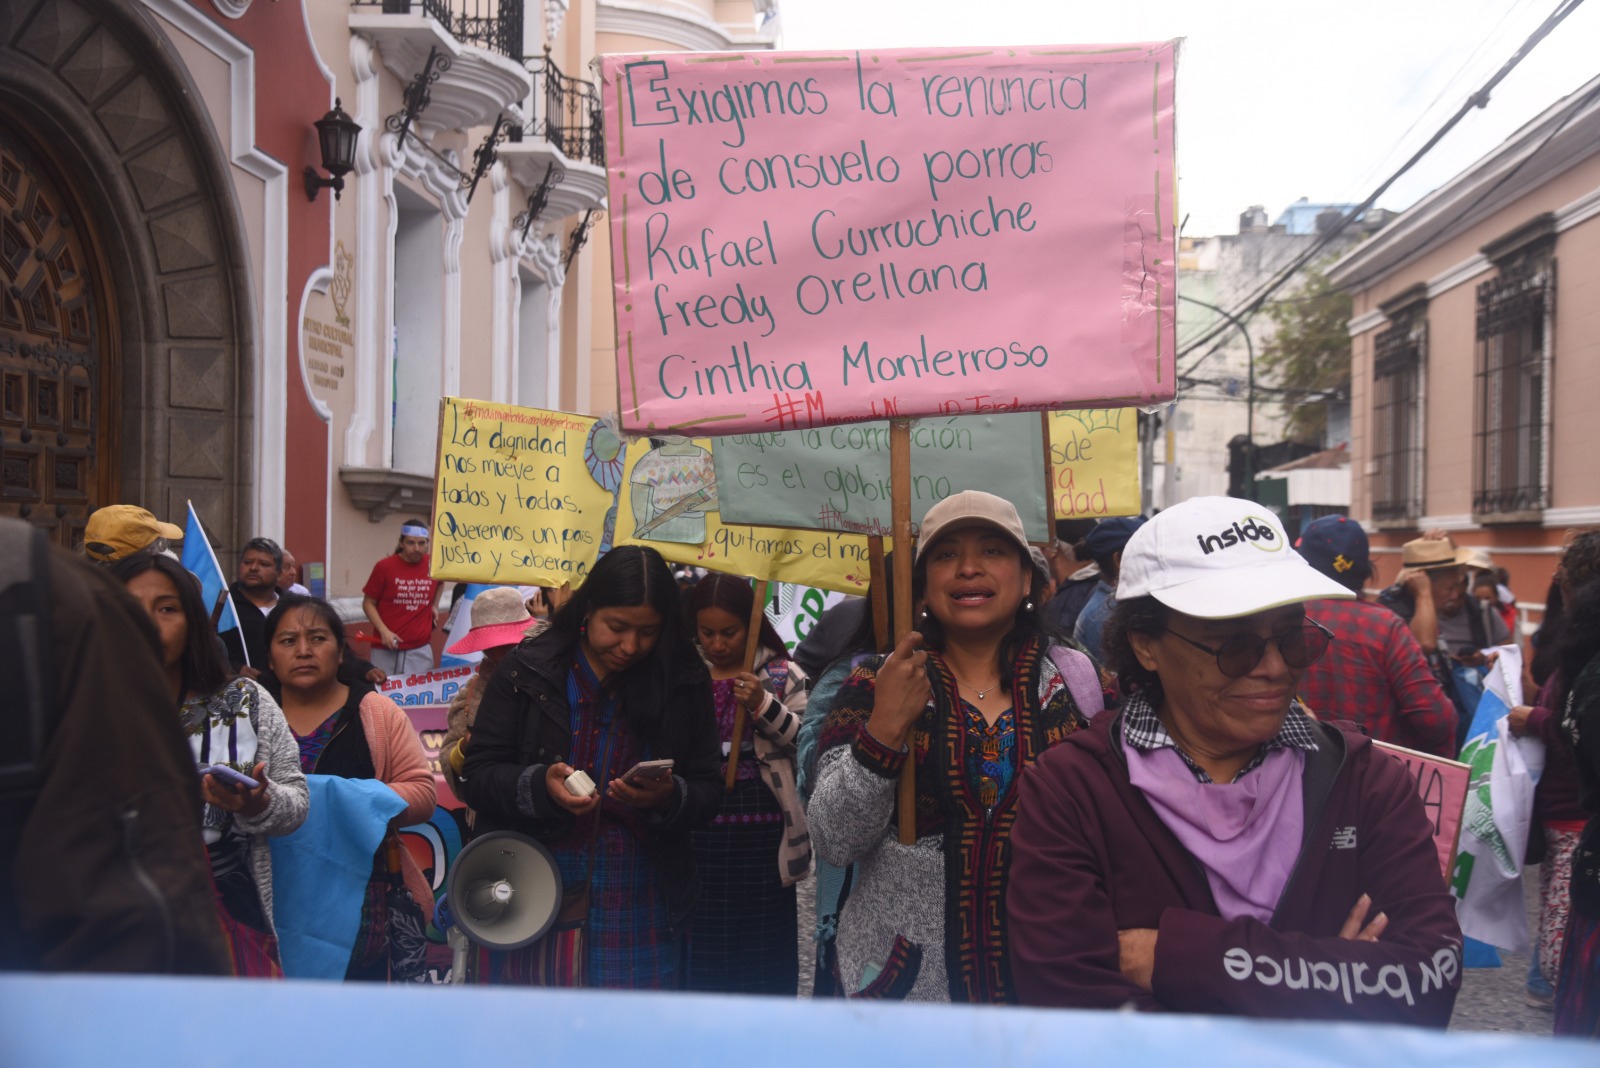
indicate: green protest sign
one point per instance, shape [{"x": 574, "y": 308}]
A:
[{"x": 837, "y": 477}]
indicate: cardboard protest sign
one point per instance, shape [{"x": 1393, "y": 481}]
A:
[
  {"x": 521, "y": 493},
  {"x": 837, "y": 477},
  {"x": 1094, "y": 459},
  {"x": 805, "y": 239},
  {"x": 1442, "y": 785},
  {"x": 670, "y": 502}
]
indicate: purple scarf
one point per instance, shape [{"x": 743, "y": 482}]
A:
[{"x": 1246, "y": 834}]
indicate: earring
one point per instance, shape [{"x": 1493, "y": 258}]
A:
[
  {"x": 583, "y": 628},
  {"x": 924, "y": 612},
  {"x": 1027, "y": 606}
]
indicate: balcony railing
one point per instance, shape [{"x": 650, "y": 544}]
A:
[
  {"x": 571, "y": 119},
  {"x": 495, "y": 25}
]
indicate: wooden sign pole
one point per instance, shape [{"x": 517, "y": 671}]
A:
[
  {"x": 879, "y": 593},
  {"x": 752, "y": 646},
  {"x": 1049, "y": 480},
  {"x": 900, "y": 490}
]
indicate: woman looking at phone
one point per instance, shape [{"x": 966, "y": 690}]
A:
[
  {"x": 349, "y": 730},
  {"x": 744, "y": 927},
  {"x": 235, "y": 726},
  {"x": 613, "y": 682},
  {"x": 973, "y": 695}
]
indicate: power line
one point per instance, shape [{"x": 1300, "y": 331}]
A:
[{"x": 1478, "y": 99}]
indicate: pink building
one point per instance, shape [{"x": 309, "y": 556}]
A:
[{"x": 1476, "y": 363}]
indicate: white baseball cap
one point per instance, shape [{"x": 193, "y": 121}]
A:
[{"x": 1219, "y": 558}]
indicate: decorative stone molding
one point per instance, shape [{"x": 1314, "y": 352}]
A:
[
  {"x": 477, "y": 87},
  {"x": 580, "y": 186},
  {"x": 673, "y": 25},
  {"x": 374, "y": 205},
  {"x": 555, "y": 14},
  {"x": 381, "y": 492}
]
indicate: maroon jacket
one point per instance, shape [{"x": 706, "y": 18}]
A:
[{"x": 1090, "y": 857}]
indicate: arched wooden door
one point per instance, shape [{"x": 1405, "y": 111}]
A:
[{"x": 57, "y": 435}]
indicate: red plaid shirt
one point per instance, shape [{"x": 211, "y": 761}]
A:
[{"x": 1375, "y": 675}]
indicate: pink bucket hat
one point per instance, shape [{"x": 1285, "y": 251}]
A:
[{"x": 498, "y": 618}]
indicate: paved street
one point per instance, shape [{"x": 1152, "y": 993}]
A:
[{"x": 1491, "y": 998}]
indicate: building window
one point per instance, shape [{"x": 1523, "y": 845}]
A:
[
  {"x": 418, "y": 343},
  {"x": 1398, "y": 357},
  {"x": 1512, "y": 425}
]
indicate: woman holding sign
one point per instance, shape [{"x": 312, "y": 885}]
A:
[
  {"x": 980, "y": 692},
  {"x": 1211, "y": 848},
  {"x": 597, "y": 738},
  {"x": 744, "y": 929}
]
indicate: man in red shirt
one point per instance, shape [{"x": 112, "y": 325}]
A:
[
  {"x": 1374, "y": 673},
  {"x": 401, "y": 603}
]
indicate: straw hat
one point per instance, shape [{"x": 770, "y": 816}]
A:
[
  {"x": 498, "y": 618},
  {"x": 1427, "y": 554}
]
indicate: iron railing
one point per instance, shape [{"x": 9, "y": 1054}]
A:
[
  {"x": 495, "y": 25},
  {"x": 571, "y": 119},
  {"x": 1397, "y": 420},
  {"x": 1512, "y": 429}
]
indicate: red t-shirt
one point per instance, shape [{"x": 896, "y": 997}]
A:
[{"x": 404, "y": 595}]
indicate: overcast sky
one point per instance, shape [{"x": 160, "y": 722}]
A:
[{"x": 1277, "y": 100}]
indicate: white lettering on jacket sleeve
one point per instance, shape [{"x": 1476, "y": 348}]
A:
[{"x": 1344, "y": 978}]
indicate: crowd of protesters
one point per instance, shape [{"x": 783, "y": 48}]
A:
[{"x": 1141, "y": 756}]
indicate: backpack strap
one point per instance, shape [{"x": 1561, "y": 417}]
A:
[{"x": 1082, "y": 680}]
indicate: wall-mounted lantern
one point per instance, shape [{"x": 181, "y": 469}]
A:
[{"x": 337, "y": 134}]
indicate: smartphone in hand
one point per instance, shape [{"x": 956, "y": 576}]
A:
[
  {"x": 648, "y": 771},
  {"x": 228, "y": 776}
]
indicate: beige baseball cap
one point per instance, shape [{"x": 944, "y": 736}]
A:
[{"x": 972, "y": 508}]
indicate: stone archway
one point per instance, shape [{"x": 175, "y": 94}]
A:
[{"x": 94, "y": 92}]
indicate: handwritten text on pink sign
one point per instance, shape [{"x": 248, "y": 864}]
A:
[{"x": 803, "y": 239}]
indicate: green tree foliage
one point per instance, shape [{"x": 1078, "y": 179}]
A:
[{"x": 1309, "y": 356}]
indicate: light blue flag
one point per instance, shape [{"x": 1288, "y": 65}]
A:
[
  {"x": 320, "y": 873},
  {"x": 201, "y": 562}
]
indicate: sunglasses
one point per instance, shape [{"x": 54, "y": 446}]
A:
[{"x": 1299, "y": 646}]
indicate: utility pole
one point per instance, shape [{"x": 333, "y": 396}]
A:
[{"x": 1250, "y": 400}]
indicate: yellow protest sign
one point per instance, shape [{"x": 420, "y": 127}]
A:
[
  {"x": 669, "y": 502},
  {"x": 1094, "y": 453},
  {"x": 521, "y": 494}
]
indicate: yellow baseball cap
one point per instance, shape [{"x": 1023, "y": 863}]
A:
[{"x": 118, "y": 530}]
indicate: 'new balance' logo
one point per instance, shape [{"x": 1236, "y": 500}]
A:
[{"x": 1344, "y": 838}]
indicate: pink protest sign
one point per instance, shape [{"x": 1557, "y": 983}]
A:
[
  {"x": 1442, "y": 785},
  {"x": 805, "y": 239}
]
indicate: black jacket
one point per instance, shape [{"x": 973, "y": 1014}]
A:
[
  {"x": 524, "y": 725},
  {"x": 251, "y": 633},
  {"x": 101, "y": 863}
]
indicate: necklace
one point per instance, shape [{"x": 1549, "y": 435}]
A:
[{"x": 973, "y": 689}]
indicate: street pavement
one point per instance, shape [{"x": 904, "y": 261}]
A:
[
  {"x": 1491, "y": 999},
  {"x": 1494, "y": 999}
]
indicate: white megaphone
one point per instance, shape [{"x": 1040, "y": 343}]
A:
[{"x": 504, "y": 893}]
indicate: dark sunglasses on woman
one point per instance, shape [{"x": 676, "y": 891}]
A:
[{"x": 1300, "y": 646}]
